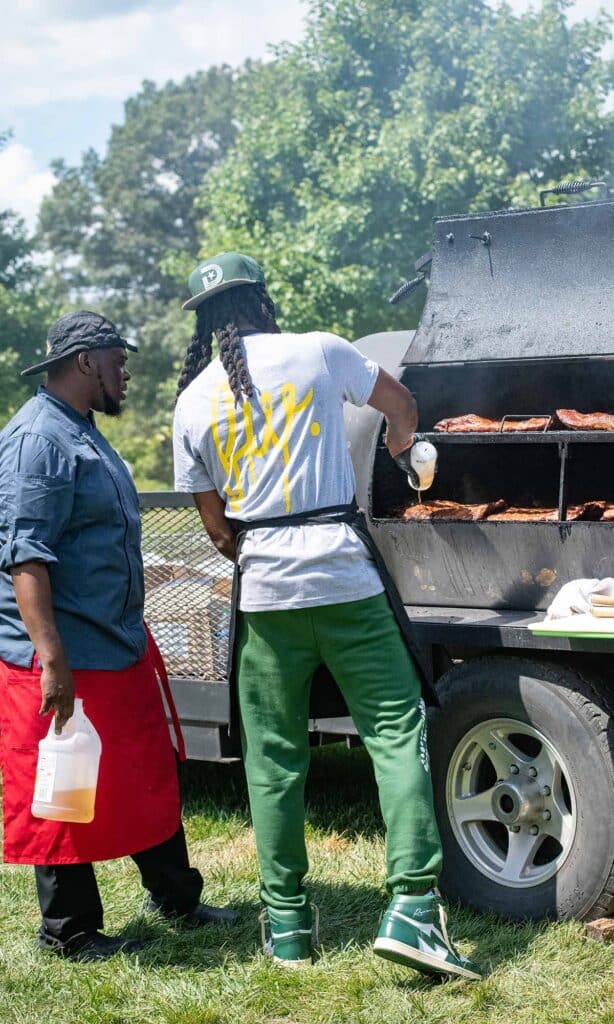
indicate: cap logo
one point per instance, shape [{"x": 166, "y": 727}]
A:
[{"x": 212, "y": 274}]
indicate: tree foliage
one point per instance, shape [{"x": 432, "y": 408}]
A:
[
  {"x": 327, "y": 164},
  {"x": 389, "y": 113},
  {"x": 23, "y": 310},
  {"x": 110, "y": 221}
]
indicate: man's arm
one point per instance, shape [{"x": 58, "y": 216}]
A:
[
  {"x": 33, "y": 594},
  {"x": 399, "y": 407},
  {"x": 212, "y": 511}
]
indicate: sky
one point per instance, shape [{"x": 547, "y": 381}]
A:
[{"x": 67, "y": 66}]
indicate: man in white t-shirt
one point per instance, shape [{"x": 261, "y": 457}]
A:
[{"x": 259, "y": 440}]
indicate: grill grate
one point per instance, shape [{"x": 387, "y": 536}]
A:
[{"x": 187, "y": 592}]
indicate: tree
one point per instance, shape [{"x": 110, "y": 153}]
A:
[
  {"x": 390, "y": 113},
  {"x": 23, "y": 311},
  {"x": 110, "y": 221}
]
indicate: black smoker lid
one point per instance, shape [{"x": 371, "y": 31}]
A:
[{"x": 520, "y": 284}]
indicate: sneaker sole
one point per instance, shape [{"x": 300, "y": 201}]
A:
[
  {"x": 293, "y": 965},
  {"x": 400, "y": 953}
]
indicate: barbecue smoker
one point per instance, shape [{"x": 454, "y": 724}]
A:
[{"x": 518, "y": 322}]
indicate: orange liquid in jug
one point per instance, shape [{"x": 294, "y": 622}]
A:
[{"x": 77, "y": 805}]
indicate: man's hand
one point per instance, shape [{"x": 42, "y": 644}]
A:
[
  {"x": 35, "y": 603},
  {"x": 403, "y": 460},
  {"x": 57, "y": 693}
]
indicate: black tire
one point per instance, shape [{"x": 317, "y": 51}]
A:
[{"x": 572, "y": 713}]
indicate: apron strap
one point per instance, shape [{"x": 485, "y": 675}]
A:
[
  {"x": 160, "y": 667},
  {"x": 329, "y": 514}
]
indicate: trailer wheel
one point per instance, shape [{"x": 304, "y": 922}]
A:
[{"x": 523, "y": 773}]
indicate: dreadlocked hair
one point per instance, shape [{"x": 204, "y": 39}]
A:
[{"x": 220, "y": 315}]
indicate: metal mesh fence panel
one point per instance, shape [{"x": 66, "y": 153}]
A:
[{"x": 187, "y": 592}]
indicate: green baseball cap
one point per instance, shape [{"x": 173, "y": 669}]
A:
[{"x": 219, "y": 273}]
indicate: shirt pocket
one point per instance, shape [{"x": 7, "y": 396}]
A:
[{"x": 96, "y": 501}]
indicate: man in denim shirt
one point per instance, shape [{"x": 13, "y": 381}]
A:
[{"x": 71, "y": 624}]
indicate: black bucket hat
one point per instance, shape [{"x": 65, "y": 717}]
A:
[{"x": 81, "y": 331}]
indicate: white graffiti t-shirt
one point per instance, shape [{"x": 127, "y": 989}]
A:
[{"x": 281, "y": 452}]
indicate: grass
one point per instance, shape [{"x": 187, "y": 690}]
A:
[{"x": 537, "y": 973}]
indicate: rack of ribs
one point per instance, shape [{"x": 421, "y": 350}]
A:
[
  {"x": 590, "y": 510},
  {"x": 474, "y": 424},
  {"x": 452, "y": 511},
  {"x": 571, "y": 419}
]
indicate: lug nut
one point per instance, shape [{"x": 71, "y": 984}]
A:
[
  {"x": 466, "y": 767},
  {"x": 534, "y": 830},
  {"x": 533, "y": 772},
  {"x": 546, "y": 791},
  {"x": 514, "y": 828},
  {"x": 514, "y": 769},
  {"x": 492, "y": 746},
  {"x": 546, "y": 815}
]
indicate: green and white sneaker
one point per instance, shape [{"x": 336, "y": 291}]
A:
[
  {"x": 414, "y": 933},
  {"x": 292, "y": 935}
]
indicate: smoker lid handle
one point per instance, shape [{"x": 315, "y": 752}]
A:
[
  {"x": 406, "y": 289},
  {"x": 567, "y": 188}
]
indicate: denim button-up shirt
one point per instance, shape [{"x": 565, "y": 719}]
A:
[{"x": 67, "y": 499}]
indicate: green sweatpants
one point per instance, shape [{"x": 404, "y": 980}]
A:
[{"x": 360, "y": 642}]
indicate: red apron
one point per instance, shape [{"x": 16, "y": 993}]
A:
[{"x": 137, "y": 798}]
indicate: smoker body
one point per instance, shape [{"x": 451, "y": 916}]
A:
[
  {"x": 521, "y": 326},
  {"x": 518, "y": 322}
]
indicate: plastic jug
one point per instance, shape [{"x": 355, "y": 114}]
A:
[{"x": 67, "y": 771}]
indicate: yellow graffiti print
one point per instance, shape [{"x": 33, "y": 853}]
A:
[{"x": 240, "y": 423}]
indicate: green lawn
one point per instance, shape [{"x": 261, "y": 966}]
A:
[{"x": 536, "y": 974}]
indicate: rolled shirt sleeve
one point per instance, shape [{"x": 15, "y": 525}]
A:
[
  {"x": 191, "y": 475},
  {"x": 37, "y": 502}
]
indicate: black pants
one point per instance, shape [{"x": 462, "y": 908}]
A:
[{"x": 69, "y": 898}]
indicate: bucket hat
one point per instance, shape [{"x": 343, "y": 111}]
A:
[{"x": 82, "y": 331}]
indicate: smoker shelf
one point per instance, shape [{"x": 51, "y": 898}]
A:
[{"x": 530, "y": 437}]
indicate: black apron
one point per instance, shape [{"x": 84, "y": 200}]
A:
[{"x": 355, "y": 518}]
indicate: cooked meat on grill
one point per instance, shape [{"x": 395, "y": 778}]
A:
[
  {"x": 524, "y": 426},
  {"x": 452, "y": 510},
  {"x": 473, "y": 424},
  {"x": 608, "y": 515},
  {"x": 467, "y": 424},
  {"x": 590, "y": 510},
  {"x": 525, "y": 515},
  {"x": 571, "y": 419}
]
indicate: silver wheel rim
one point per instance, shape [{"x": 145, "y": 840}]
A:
[{"x": 511, "y": 803}]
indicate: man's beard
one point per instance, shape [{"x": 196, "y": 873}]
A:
[{"x": 110, "y": 407}]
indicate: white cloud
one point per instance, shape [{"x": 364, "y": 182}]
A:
[
  {"x": 101, "y": 50},
  {"x": 22, "y": 184},
  {"x": 47, "y": 53},
  {"x": 81, "y": 49}
]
